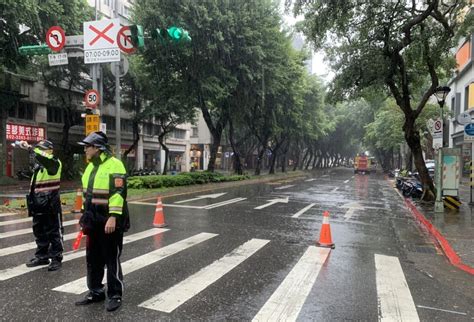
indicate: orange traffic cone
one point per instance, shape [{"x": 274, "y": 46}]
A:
[
  {"x": 325, "y": 239},
  {"x": 78, "y": 202},
  {"x": 159, "y": 220}
]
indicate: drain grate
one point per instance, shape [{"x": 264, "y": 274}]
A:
[{"x": 421, "y": 249}]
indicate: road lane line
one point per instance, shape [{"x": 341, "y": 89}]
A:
[
  {"x": 27, "y": 246},
  {"x": 29, "y": 230},
  {"x": 223, "y": 203},
  {"x": 286, "y": 302},
  {"x": 302, "y": 211},
  {"x": 6, "y": 214},
  {"x": 173, "y": 297},
  {"x": 335, "y": 189},
  {"x": 285, "y": 187},
  {"x": 309, "y": 180},
  {"x": 79, "y": 286},
  {"x": 349, "y": 214},
  {"x": 22, "y": 269},
  {"x": 346, "y": 181},
  {"x": 15, "y": 221},
  {"x": 394, "y": 297}
]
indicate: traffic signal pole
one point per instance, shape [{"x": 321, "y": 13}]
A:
[{"x": 118, "y": 134}]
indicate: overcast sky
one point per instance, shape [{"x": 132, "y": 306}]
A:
[{"x": 319, "y": 66}]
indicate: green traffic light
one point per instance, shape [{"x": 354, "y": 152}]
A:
[
  {"x": 137, "y": 36},
  {"x": 178, "y": 34}
]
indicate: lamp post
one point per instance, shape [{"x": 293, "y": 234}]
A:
[{"x": 440, "y": 93}]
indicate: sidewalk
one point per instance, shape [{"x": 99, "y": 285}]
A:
[
  {"x": 454, "y": 230},
  {"x": 20, "y": 189}
]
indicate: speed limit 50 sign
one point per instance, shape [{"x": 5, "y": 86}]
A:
[{"x": 92, "y": 98}]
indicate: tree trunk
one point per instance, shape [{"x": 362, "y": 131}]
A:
[
  {"x": 412, "y": 138},
  {"x": 259, "y": 161},
  {"x": 237, "y": 162},
  {"x": 167, "y": 151}
]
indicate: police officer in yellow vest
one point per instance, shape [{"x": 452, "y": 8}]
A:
[
  {"x": 44, "y": 205},
  {"x": 104, "y": 219}
]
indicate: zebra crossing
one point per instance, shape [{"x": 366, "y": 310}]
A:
[{"x": 394, "y": 300}]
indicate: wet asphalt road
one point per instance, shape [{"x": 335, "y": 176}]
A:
[{"x": 367, "y": 219}]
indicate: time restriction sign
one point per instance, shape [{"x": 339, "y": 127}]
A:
[{"x": 92, "y": 98}]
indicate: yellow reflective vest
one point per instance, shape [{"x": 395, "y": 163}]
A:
[
  {"x": 46, "y": 182},
  {"x": 104, "y": 186}
]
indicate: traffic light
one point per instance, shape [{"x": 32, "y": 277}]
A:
[
  {"x": 34, "y": 50},
  {"x": 177, "y": 34},
  {"x": 174, "y": 34},
  {"x": 138, "y": 38}
]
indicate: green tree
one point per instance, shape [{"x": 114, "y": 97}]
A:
[{"x": 389, "y": 45}]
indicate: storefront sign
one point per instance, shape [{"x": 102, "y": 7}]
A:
[{"x": 24, "y": 132}]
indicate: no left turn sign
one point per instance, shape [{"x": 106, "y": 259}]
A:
[
  {"x": 92, "y": 98},
  {"x": 124, "y": 40},
  {"x": 55, "y": 38}
]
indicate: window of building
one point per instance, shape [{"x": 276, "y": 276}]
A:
[
  {"x": 108, "y": 3},
  {"x": 126, "y": 125},
  {"x": 22, "y": 110},
  {"x": 110, "y": 122},
  {"x": 178, "y": 134},
  {"x": 466, "y": 98},
  {"x": 54, "y": 114},
  {"x": 195, "y": 132},
  {"x": 470, "y": 96}
]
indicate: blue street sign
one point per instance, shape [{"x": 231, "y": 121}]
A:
[{"x": 469, "y": 129}]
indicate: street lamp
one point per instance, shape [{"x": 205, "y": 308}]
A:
[{"x": 441, "y": 92}]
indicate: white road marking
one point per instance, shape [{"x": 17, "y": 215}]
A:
[
  {"x": 309, "y": 180},
  {"x": 335, "y": 189},
  {"x": 346, "y": 181},
  {"x": 302, "y": 211},
  {"x": 286, "y": 302},
  {"x": 272, "y": 202},
  {"x": 22, "y": 269},
  {"x": 213, "y": 196},
  {"x": 15, "y": 221},
  {"x": 349, "y": 213},
  {"x": 223, "y": 203},
  {"x": 79, "y": 286},
  {"x": 175, "y": 296},
  {"x": 27, "y": 246},
  {"x": 214, "y": 205},
  {"x": 6, "y": 214},
  {"x": 442, "y": 310},
  {"x": 394, "y": 297},
  {"x": 285, "y": 187},
  {"x": 29, "y": 230}
]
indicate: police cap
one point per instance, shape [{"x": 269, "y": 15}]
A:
[
  {"x": 44, "y": 145},
  {"x": 97, "y": 139}
]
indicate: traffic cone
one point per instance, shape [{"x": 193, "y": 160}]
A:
[
  {"x": 325, "y": 239},
  {"x": 6, "y": 202},
  {"x": 78, "y": 202},
  {"x": 77, "y": 241},
  {"x": 159, "y": 220}
]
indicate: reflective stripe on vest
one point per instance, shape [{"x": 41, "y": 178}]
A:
[{"x": 45, "y": 182}]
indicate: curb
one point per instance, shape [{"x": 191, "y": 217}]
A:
[{"x": 449, "y": 252}]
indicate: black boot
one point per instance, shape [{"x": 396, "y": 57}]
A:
[
  {"x": 54, "y": 265},
  {"x": 37, "y": 262},
  {"x": 114, "y": 303},
  {"x": 91, "y": 298}
]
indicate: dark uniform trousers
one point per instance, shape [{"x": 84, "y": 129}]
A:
[
  {"x": 47, "y": 229},
  {"x": 104, "y": 250}
]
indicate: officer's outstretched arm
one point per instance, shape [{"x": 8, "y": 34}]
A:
[{"x": 47, "y": 160}]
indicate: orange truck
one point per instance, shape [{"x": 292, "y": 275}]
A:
[{"x": 364, "y": 164}]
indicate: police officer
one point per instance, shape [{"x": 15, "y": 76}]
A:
[
  {"x": 104, "y": 219},
  {"x": 44, "y": 205}
]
